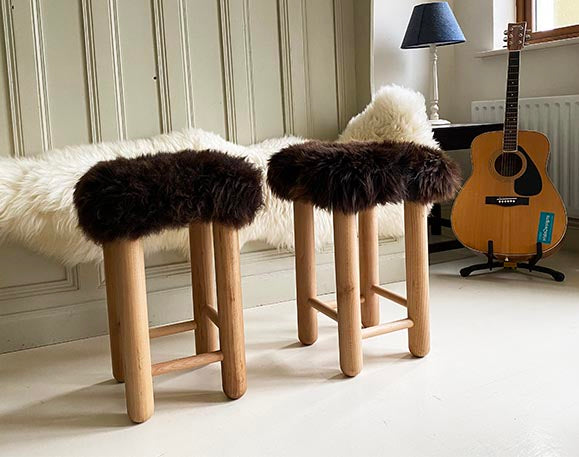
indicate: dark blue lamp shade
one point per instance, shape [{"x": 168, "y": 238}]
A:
[{"x": 432, "y": 23}]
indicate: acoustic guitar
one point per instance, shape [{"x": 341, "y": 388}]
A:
[{"x": 509, "y": 199}]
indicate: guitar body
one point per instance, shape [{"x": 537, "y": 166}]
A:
[{"x": 509, "y": 199}]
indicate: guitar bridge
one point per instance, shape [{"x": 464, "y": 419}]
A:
[{"x": 507, "y": 201}]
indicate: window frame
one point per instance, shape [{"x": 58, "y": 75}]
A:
[{"x": 525, "y": 13}]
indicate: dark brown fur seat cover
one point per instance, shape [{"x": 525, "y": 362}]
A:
[
  {"x": 351, "y": 177},
  {"x": 131, "y": 198}
]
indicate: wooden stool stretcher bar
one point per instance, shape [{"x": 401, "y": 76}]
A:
[
  {"x": 172, "y": 329},
  {"x": 212, "y": 314},
  {"x": 187, "y": 363},
  {"x": 324, "y": 308},
  {"x": 389, "y": 295},
  {"x": 388, "y": 327}
]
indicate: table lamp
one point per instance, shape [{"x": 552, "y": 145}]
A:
[{"x": 432, "y": 25}]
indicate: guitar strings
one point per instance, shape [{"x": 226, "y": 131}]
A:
[{"x": 508, "y": 162}]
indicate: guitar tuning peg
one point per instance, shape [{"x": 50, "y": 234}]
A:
[
  {"x": 506, "y": 32},
  {"x": 505, "y": 39}
]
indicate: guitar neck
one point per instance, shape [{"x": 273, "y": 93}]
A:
[{"x": 511, "y": 129}]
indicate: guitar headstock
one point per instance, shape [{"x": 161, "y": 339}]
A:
[{"x": 516, "y": 36}]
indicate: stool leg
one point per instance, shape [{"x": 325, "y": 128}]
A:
[
  {"x": 348, "y": 293},
  {"x": 416, "y": 241},
  {"x": 369, "y": 273},
  {"x": 233, "y": 373},
  {"x": 305, "y": 271},
  {"x": 125, "y": 263},
  {"x": 203, "y": 283},
  {"x": 113, "y": 312}
]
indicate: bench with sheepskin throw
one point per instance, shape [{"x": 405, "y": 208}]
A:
[{"x": 36, "y": 194}]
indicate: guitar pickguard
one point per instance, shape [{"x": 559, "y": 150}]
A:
[{"x": 530, "y": 182}]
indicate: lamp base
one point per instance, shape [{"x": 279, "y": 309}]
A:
[{"x": 438, "y": 122}]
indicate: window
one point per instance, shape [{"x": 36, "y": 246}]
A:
[{"x": 550, "y": 20}]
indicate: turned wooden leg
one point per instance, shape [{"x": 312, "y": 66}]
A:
[
  {"x": 113, "y": 312},
  {"x": 305, "y": 272},
  {"x": 228, "y": 275},
  {"x": 369, "y": 273},
  {"x": 416, "y": 241},
  {"x": 124, "y": 261},
  {"x": 348, "y": 293},
  {"x": 202, "y": 280}
]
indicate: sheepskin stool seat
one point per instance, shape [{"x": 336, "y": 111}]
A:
[
  {"x": 350, "y": 179},
  {"x": 119, "y": 202}
]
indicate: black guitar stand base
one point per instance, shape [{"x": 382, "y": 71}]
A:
[{"x": 531, "y": 265}]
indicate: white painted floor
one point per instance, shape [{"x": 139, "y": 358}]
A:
[{"x": 502, "y": 379}]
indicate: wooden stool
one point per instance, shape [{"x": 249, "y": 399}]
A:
[
  {"x": 121, "y": 201},
  {"x": 350, "y": 179}
]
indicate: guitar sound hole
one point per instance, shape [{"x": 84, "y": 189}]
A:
[{"x": 508, "y": 164}]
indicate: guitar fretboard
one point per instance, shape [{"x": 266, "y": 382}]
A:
[{"x": 512, "y": 103}]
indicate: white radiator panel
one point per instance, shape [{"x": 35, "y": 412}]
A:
[{"x": 556, "y": 117}]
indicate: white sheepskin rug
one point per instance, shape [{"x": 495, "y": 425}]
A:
[{"x": 36, "y": 204}]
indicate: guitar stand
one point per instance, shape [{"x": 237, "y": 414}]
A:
[{"x": 531, "y": 265}]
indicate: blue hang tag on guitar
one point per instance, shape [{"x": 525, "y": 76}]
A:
[{"x": 545, "y": 233}]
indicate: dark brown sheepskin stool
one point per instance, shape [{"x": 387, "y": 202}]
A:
[
  {"x": 351, "y": 177},
  {"x": 132, "y": 198}
]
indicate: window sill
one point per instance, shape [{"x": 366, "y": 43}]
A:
[{"x": 531, "y": 47}]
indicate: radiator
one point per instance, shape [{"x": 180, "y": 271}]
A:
[{"x": 556, "y": 117}]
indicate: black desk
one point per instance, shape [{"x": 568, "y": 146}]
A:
[{"x": 453, "y": 137}]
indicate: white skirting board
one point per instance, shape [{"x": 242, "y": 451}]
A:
[
  {"x": 571, "y": 241},
  {"x": 267, "y": 277}
]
